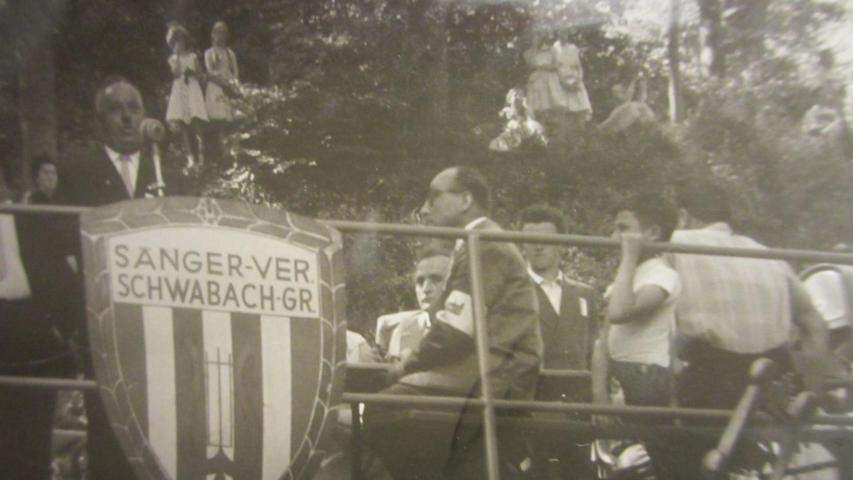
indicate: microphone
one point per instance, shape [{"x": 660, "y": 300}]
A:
[{"x": 154, "y": 132}]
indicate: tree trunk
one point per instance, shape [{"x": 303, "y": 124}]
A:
[
  {"x": 440, "y": 80},
  {"x": 711, "y": 32},
  {"x": 676, "y": 104},
  {"x": 182, "y": 11},
  {"x": 35, "y": 21},
  {"x": 428, "y": 27}
]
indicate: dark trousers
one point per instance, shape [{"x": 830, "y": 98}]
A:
[
  {"x": 716, "y": 378},
  {"x": 28, "y": 347},
  {"x": 107, "y": 461},
  {"x": 572, "y": 456},
  {"x": 647, "y": 385},
  {"x": 418, "y": 450},
  {"x": 409, "y": 449},
  {"x": 26, "y": 422},
  {"x": 644, "y": 384},
  {"x": 713, "y": 378}
]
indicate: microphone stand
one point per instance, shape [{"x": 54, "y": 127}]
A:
[
  {"x": 154, "y": 132},
  {"x": 158, "y": 171}
]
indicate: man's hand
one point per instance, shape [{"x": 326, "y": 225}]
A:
[
  {"x": 369, "y": 354},
  {"x": 632, "y": 245},
  {"x": 395, "y": 373}
]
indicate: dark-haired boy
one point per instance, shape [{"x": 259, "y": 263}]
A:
[
  {"x": 567, "y": 309},
  {"x": 634, "y": 348},
  {"x": 566, "y": 306}
]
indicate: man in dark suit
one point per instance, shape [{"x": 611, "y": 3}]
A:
[
  {"x": 445, "y": 361},
  {"x": 567, "y": 313},
  {"x": 567, "y": 307},
  {"x": 119, "y": 168}
]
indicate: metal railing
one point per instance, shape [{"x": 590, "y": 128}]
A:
[{"x": 487, "y": 402}]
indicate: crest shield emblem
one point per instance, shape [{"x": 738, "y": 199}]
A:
[{"x": 217, "y": 334}]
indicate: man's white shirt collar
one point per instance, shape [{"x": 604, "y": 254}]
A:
[
  {"x": 539, "y": 280},
  {"x": 553, "y": 289},
  {"x": 115, "y": 157},
  {"x": 471, "y": 226},
  {"x": 473, "y": 223},
  {"x": 722, "y": 227}
]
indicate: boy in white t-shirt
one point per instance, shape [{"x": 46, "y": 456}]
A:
[{"x": 634, "y": 348}]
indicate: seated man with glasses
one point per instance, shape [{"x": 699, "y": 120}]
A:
[{"x": 444, "y": 363}]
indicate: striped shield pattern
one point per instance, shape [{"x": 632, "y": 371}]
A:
[{"x": 217, "y": 335}]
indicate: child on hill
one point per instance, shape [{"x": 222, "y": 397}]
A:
[{"x": 187, "y": 111}]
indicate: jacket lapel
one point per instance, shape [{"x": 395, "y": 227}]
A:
[
  {"x": 145, "y": 174},
  {"x": 547, "y": 315},
  {"x": 460, "y": 250},
  {"x": 569, "y": 301},
  {"x": 113, "y": 185}
]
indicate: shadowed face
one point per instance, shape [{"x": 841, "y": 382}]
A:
[
  {"x": 541, "y": 257},
  {"x": 627, "y": 222},
  {"x": 430, "y": 278},
  {"x": 446, "y": 203},
  {"x": 179, "y": 44},
  {"x": 121, "y": 112},
  {"x": 219, "y": 34},
  {"x": 47, "y": 179}
]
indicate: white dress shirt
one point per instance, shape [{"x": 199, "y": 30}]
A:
[
  {"x": 553, "y": 288},
  {"x": 133, "y": 166}
]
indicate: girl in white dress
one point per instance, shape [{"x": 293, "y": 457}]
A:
[
  {"x": 223, "y": 78},
  {"x": 186, "y": 111}
]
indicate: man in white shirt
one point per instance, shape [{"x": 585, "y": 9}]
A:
[
  {"x": 831, "y": 291},
  {"x": 634, "y": 348},
  {"x": 641, "y": 307},
  {"x": 120, "y": 168},
  {"x": 397, "y": 333},
  {"x": 733, "y": 311}
]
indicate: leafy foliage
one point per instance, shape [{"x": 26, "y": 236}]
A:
[{"x": 350, "y": 107}]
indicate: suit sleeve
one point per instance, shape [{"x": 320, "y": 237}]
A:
[
  {"x": 72, "y": 192},
  {"x": 594, "y": 320},
  {"x": 451, "y": 336}
]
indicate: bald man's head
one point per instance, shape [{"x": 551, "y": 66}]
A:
[{"x": 120, "y": 110}]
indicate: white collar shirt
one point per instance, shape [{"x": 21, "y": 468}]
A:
[
  {"x": 117, "y": 158},
  {"x": 553, "y": 288}
]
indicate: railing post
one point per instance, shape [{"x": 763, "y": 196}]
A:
[
  {"x": 481, "y": 337},
  {"x": 717, "y": 460},
  {"x": 357, "y": 438}
]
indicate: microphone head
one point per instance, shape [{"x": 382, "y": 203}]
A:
[{"x": 152, "y": 130}]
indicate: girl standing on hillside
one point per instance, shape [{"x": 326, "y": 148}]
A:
[
  {"x": 187, "y": 111},
  {"x": 555, "y": 88},
  {"x": 223, "y": 78}
]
